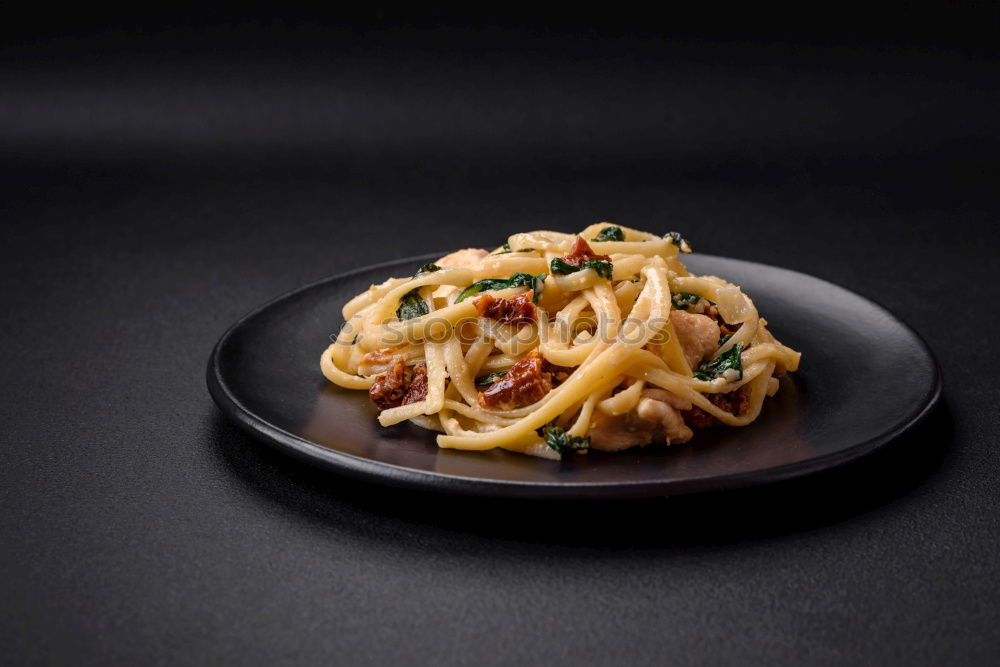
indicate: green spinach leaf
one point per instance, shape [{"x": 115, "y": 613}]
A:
[
  {"x": 604, "y": 269},
  {"x": 730, "y": 360},
  {"x": 684, "y": 300},
  {"x": 610, "y": 234},
  {"x": 506, "y": 250},
  {"x": 517, "y": 280},
  {"x": 411, "y": 305},
  {"x": 427, "y": 268},
  {"x": 562, "y": 442},
  {"x": 561, "y": 268},
  {"x": 490, "y": 379},
  {"x": 679, "y": 241}
]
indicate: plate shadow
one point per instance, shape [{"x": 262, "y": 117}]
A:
[{"x": 324, "y": 499}]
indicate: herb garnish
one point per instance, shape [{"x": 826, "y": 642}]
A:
[
  {"x": 679, "y": 241},
  {"x": 559, "y": 440},
  {"x": 610, "y": 234},
  {"x": 490, "y": 379},
  {"x": 517, "y": 280},
  {"x": 730, "y": 360},
  {"x": 411, "y": 305},
  {"x": 427, "y": 268},
  {"x": 684, "y": 300},
  {"x": 506, "y": 249},
  {"x": 561, "y": 268}
]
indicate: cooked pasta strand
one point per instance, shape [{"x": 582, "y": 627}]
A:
[{"x": 563, "y": 343}]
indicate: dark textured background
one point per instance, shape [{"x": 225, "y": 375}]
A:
[{"x": 161, "y": 175}]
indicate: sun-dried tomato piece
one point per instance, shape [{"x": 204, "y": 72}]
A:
[
  {"x": 513, "y": 310},
  {"x": 525, "y": 383},
  {"x": 698, "y": 418},
  {"x": 389, "y": 388},
  {"x": 418, "y": 385},
  {"x": 399, "y": 385},
  {"x": 735, "y": 403},
  {"x": 581, "y": 252}
]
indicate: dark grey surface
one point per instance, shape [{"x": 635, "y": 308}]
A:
[{"x": 152, "y": 193}]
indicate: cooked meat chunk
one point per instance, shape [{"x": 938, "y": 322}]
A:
[
  {"x": 462, "y": 258},
  {"x": 459, "y": 259},
  {"x": 671, "y": 424},
  {"x": 656, "y": 418},
  {"x": 513, "y": 310},
  {"x": 735, "y": 402},
  {"x": 525, "y": 383},
  {"x": 613, "y": 433},
  {"x": 581, "y": 252},
  {"x": 697, "y": 334},
  {"x": 399, "y": 385}
]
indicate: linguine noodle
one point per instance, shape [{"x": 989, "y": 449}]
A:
[{"x": 558, "y": 343}]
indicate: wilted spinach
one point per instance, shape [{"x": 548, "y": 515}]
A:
[
  {"x": 427, "y": 268},
  {"x": 490, "y": 379},
  {"x": 684, "y": 300},
  {"x": 730, "y": 360},
  {"x": 506, "y": 250},
  {"x": 562, "y": 268},
  {"x": 562, "y": 442},
  {"x": 536, "y": 283},
  {"x": 610, "y": 234},
  {"x": 411, "y": 305},
  {"x": 679, "y": 241}
]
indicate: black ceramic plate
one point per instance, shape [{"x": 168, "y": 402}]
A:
[{"x": 865, "y": 378}]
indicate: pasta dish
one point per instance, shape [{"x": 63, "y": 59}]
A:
[{"x": 555, "y": 344}]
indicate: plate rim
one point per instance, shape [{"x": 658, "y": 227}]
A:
[{"x": 402, "y": 476}]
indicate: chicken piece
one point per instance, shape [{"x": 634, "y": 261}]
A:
[
  {"x": 697, "y": 334},
  {"x": 669, "y": 418},
  {"x": 615, "y": 433},
  {"x": 656, "y": 417},
  {"x": 462, "y": 258}
]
